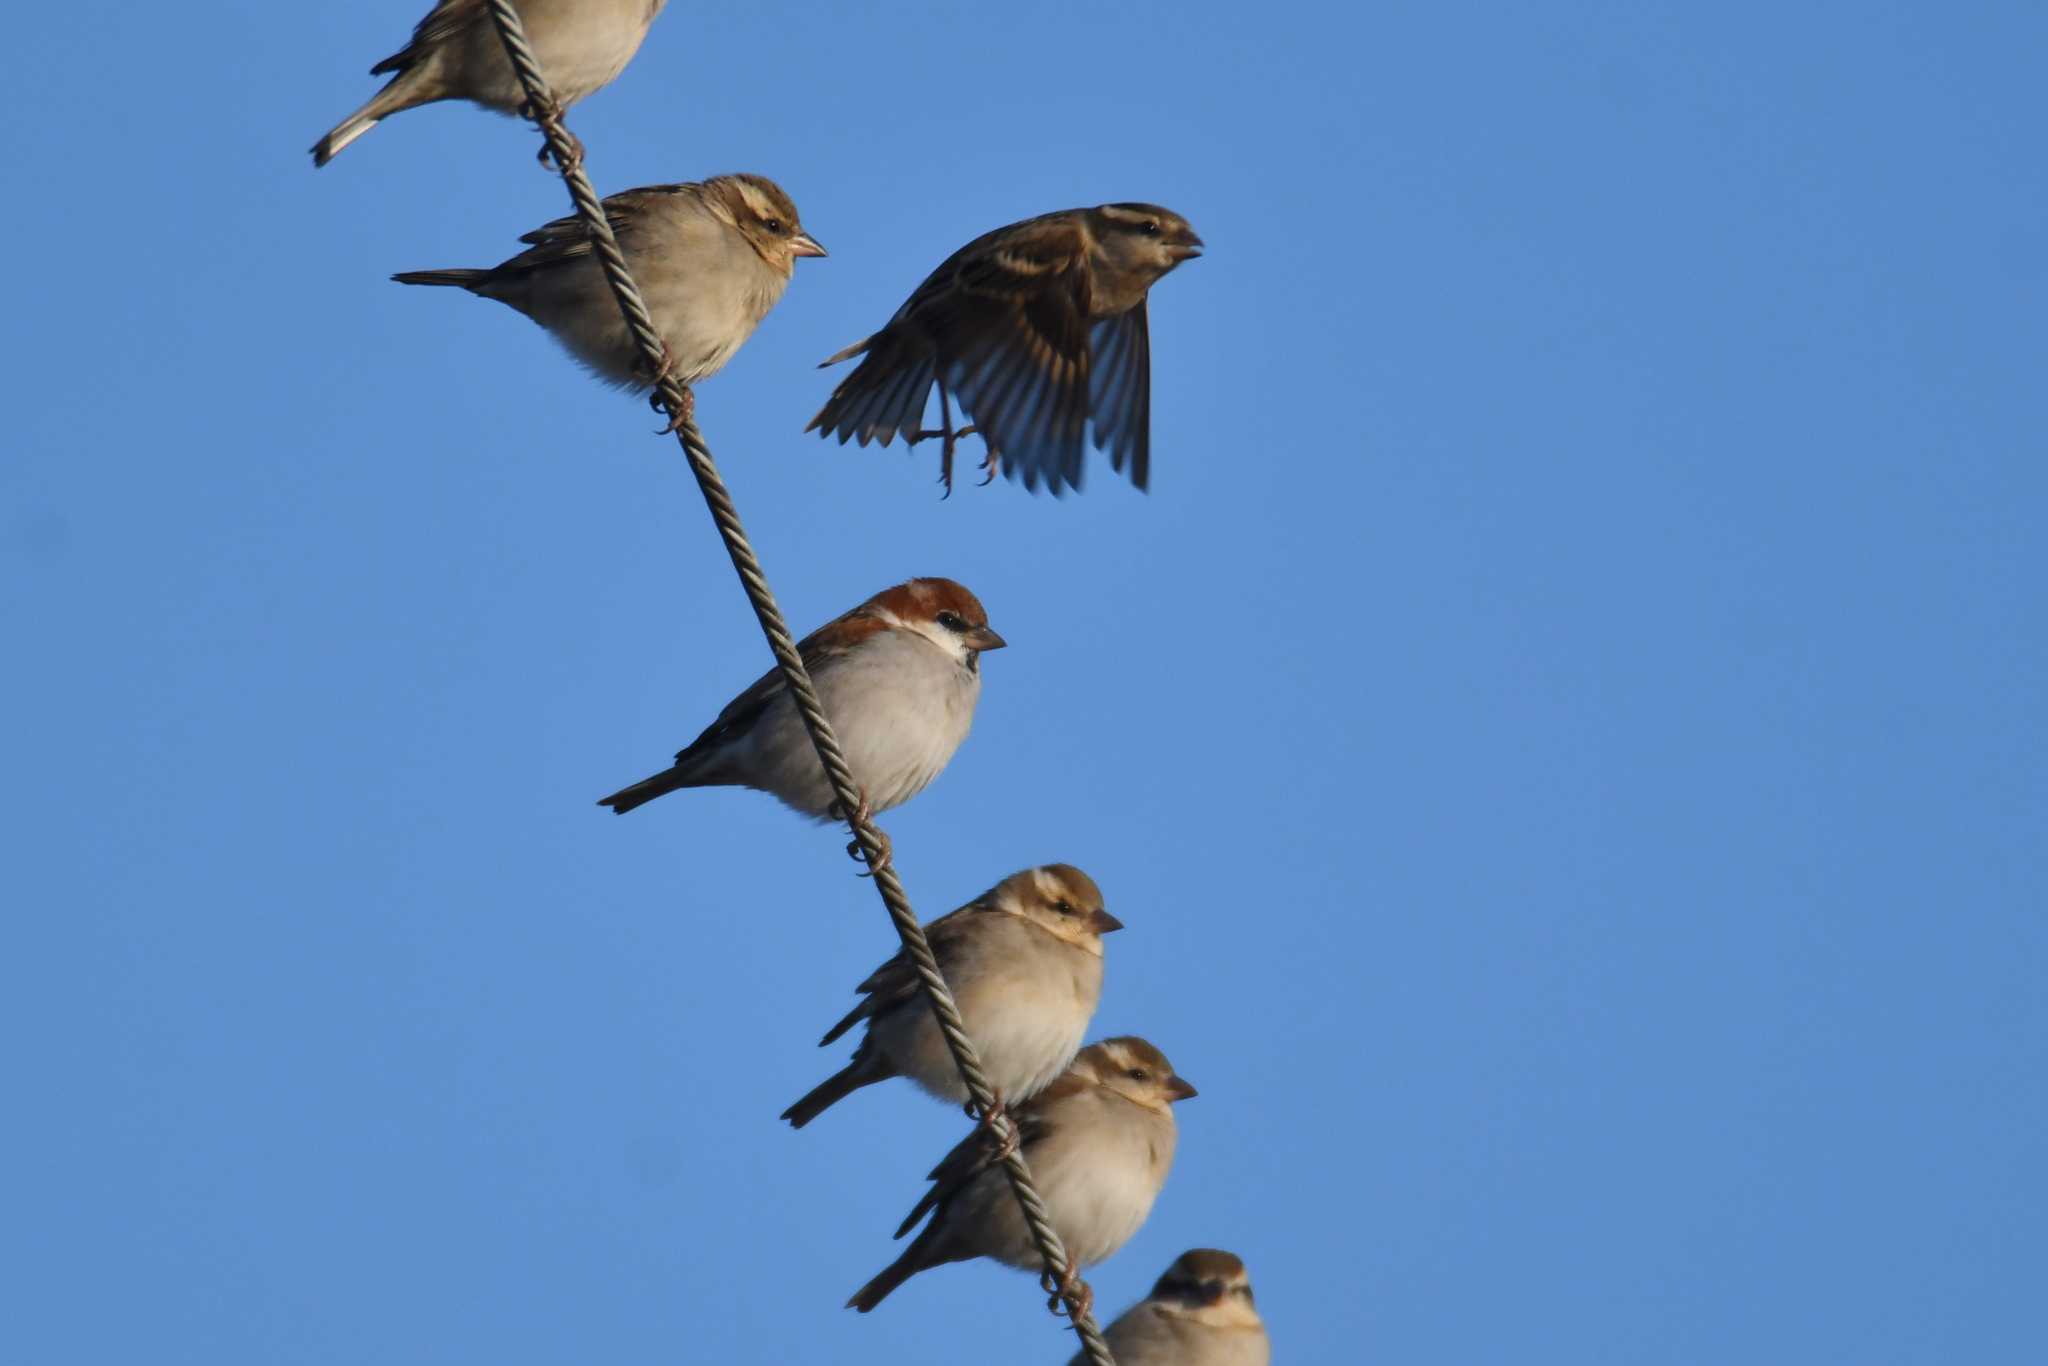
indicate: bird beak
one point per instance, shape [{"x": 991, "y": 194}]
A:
[
  {"x": 981, "y": 638},
  {"x": 803, "y": 244},
  {"x": 1186, "y": 251},
  {"x": 1102, "y": 922},
  {"x": 1177, "y": 1088}
]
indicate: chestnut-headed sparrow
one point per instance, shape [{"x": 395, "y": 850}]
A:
[
  {"x": 711, "y": 259},
  {"x": 455, "y": 54},
  {"x": 898, "y": 676},
  {"x": 1099, "y": 1140},
  {"x": 1038, "y": 331},
  {"x": 1199, "y": 1314},
  {"x": 1024, "y": 961}
]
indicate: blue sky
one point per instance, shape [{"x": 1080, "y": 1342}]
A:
[{"x": 1565, "y": 731}]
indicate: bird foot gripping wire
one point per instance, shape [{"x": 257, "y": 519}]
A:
[
  {"x": 549, "y": 117},
  {"x": 864, "y": 815},
  {"x": 1000, "y": 1145},
  {"x": 686, "y": 411},
  {"x": 1069, "y": 1296}
]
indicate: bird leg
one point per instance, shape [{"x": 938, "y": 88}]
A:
[
  {"x": 948, "y": 439},
  {"x": 1070, "y": 1295},
  {"x": 991, "y": 464},
  {"x": 864, "y": 815}
]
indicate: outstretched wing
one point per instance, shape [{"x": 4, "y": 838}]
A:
[
  {"x": 1120, "y": 391},
  {"x": 1010, "y": 324},
  {"x": 1003, "y": 325}
]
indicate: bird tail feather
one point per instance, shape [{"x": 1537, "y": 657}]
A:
[
  {"x": 466, "y": 279},
  {"x": 647, "y": 789},
  {"x": 828, "y": 1093},
  {"x": 915, "y": 1258}
]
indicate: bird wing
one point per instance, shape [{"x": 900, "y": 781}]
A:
[
  {"x": 1008, "y": 315},
  {"x": 443, "y": 22},
  {"x": 896, "y": 981},
  {"x": 1120, "y": 391},
  {"x": 975, "y": 1153},
  {"x": 566, "y": 239},
  {"x": 818, "y": 650}
]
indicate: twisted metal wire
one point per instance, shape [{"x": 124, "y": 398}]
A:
[{"x": 568, "y": 157}]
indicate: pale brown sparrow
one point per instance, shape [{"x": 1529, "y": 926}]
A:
[
  {"x": 1200, "y": 1313},
  {"x": 1024, "y": 962},
  {"x": 455, "y": 54},
  {"x": 898, "y": 676},
  {"x": 711, "y": 259},
  {"x": 1099, "y": 1140},
  {"x": 1038, "y": 331}
]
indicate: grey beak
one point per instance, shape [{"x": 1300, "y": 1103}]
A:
[
  {"x": 981, "y": 638},
  {"x": 803, "y": 244}
]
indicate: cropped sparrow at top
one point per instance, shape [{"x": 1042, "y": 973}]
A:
[
  {"x": 1099, "y": 1140},
  {"x": 1024, "y": 961},
  {"x": 1199, "y": 1314},
  {"x": 711, "y": 258},
  {"x": 455, "y": 54},
  {"x": 1038, "y": 331},
  {"x": 898, "y": 676}
]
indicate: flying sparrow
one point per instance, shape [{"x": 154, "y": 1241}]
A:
[
  {"x": 455, "y": 54},
  {"x": 1099, "y": 1140},
  {"x": 1038, "y": 331},
  {"x": 711, "y": 258},
  {"x": 1199, "y": 1314},
  {"x": 1024, "y": 961},
  {"x": 898, "y": 676}
]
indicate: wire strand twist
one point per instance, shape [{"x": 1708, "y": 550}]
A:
[{"x": 543, "y": 108}]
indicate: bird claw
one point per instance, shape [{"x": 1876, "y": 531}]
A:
[
  {"x": 863, "y": 814},
  {"x": 1070, "y": 1296},
  {"x": 686, "y": 412},
  {"x": 948, "y": 440},
  {"x": 550, "y": 116},
  {"x": 1000, "y": 1147}
]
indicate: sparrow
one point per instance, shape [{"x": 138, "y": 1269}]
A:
[
  {"x": 1199, "y": 1314},
  {"x": 1024, "y": 961},
  {"x": 455, "y": 54},
  {"x": 898, "y": 676},
  {"x": 711, "y": 258},
  {"x": 1038, "y": 331},
  {"x": 1099, "y": 1141}
]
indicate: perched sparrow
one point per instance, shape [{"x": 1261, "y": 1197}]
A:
[
  {"x": 1199, "y": 1314},
  {"x": 1099, "y": 1140},
  {"x": 711, "y": 260},
  {"x": 898, "y": 675},
  {"x": 1037, "y": 330},
  {"x": 1024, "y": 961},
  {"x": 455, "y": 54}
]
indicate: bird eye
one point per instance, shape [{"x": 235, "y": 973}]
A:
[
  {"x": 1139, "y": 1074},
  {"x": 1151, "y": 227},
  {"x": 1063, "y": 907},
  {"x": 772, "y": 224},
  {"x": 951, "y": 621}
]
